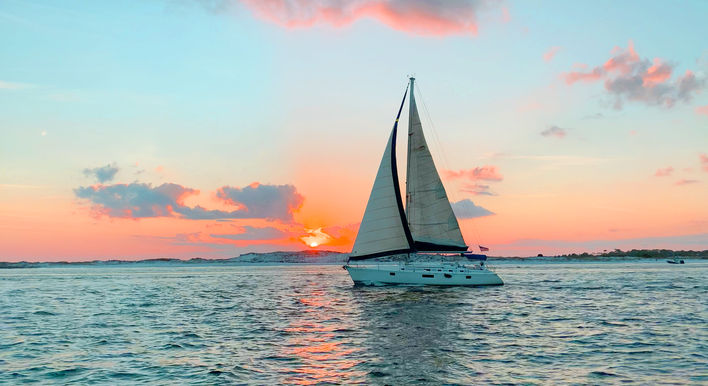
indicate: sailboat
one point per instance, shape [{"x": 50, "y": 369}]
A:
[{"x": 427, "y": 226}]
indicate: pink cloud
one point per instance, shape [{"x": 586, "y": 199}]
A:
[
  {"x": 138, "y": 200},
  {"x": 623, "y": 60},
  {"x": 263, "y": 201},
  {"x": 657, "y": 73},
  {"x": 487, "y": 173},
  {"x": 548, "y": 55},
  {"x": 686, "y": 182},
  {"x": 505, "y": 15},
  {"x": 628, "y": 77},
  {"x": 576, "y": 76},
  {"x": 555, "y": 131},
  {"x": 418, "y": 17},
  {"x": 702, "y": 110},
  {"x": 664, "y": 172},
  {"x": 142, "y": 200},
  {"x": 704, "y": 162}
]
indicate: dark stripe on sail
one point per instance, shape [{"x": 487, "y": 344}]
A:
[
  {"x": 422, "y": 246},
  {"x": 394, "y": 173},
  {"x": 379, "y": 254}
]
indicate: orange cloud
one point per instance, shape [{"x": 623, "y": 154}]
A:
[
  {"x": 704, "y": 162},
  {"x": 702, "y": 110},
  {"x": 419, "y": 17}
]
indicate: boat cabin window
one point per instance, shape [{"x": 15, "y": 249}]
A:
[
  {"x": 468, "y": 277},
  {"x": 447, "y": 275},
  {"x": 424, "y": 275},
  {"x": 392, "y": 273}
]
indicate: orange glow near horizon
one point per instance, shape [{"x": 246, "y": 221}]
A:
[{"x": 315, "y": 237}]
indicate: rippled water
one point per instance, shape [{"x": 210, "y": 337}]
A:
[{"x": 574, "y": 322}]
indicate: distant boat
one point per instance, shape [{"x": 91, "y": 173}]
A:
[
  {"x": 675, "y": 261},
  {"x": 427, "y": 226}
]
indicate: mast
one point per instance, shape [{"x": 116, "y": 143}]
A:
[{"x": 409, "y": 208}]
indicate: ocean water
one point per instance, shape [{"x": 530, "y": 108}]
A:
[{"x": 586, "y": 323}]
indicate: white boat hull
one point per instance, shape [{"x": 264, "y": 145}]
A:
[{"x": 422, "y": 274}]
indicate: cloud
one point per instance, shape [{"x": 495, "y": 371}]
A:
[
  {"x": 686, "y": 182},
  {"x": 702, "y": 110},
  {"x": 664, "y": 172},
  {"x": 486, "y": 173},
  {"x": 594, "y": 116},
  {"x": 418, "y": 17},
  {"x": 467, "y": 209},
  {"x": 548, "y": 55},
  {"x": 272, "y": 202},
  {"x": 595, "y": 74},
  {"x": 142, "y": 200},
  {"x": 631, "y": 78},
  {"x": 14, "y": 85},
  {"x": 554, "y": 131},
  {"x": 704, "y": 162},
  {"x": 478, "y": 189},
  {"x": 102, "y": 174},
  {"x": 254, "y": 233}
]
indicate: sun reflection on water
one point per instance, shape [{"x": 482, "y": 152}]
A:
[{"x": 321, "y": 352}]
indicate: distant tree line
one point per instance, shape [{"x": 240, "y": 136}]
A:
[{"x": 643, "y": 253}]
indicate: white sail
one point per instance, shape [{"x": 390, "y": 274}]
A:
[
  {"x": 431, "y": 220},
  {"x": 383, "y": 229}
]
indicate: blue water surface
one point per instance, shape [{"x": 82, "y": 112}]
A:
[{"x": 588, "y": 323}]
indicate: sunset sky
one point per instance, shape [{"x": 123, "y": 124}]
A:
[{"x": 180, "y": 128}]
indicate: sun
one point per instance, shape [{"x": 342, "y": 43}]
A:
[{"x": 315, "y": 237}]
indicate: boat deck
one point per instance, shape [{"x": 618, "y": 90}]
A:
[{"x": 422, "y": 273}]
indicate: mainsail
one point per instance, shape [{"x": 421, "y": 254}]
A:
[
  {"x": 384, "y": 229},
  {"x": 430, "y": 217}
]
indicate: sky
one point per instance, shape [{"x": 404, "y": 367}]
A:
[{"x": 182, "y": 129}]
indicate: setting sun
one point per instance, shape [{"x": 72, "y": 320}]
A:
[{"x": 315, "y": 237}]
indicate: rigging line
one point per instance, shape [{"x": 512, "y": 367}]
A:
[
  {"x": 436, "y": 138},
  {"x": 451, "y": 195}
]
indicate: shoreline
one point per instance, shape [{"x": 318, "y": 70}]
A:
[{"x": 231, "y": 262}]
